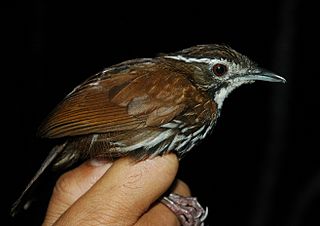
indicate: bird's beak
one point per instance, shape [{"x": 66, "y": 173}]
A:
[{"x": 260, "y": 74}]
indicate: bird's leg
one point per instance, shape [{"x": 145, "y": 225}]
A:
[{"x": 188, "y": 209}]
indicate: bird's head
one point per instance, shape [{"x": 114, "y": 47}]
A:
[{"x": 219, "y": 69}]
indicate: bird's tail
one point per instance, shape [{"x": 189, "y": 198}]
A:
[{"x": 22, "y": 202}]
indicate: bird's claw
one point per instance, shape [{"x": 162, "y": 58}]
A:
[{"x": 187, "y": 209}]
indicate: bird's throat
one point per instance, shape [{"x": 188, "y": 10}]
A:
[{"x": 222, "y": 93}]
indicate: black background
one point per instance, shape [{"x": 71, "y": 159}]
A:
[{"x": 261, "y": 164}]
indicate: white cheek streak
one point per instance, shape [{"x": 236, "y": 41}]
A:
[{"x": 223, "y": 93}]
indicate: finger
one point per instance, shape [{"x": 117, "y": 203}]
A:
[
  {"x": 159, "y": 214},
  {"x": 124, "y": 193},
  {"x": 71, "y": 185}
]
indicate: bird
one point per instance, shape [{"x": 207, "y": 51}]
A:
[{"x": 147, "y": 107}]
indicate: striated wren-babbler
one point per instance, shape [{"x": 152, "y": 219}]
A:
[{"x": 148, "y": 107}]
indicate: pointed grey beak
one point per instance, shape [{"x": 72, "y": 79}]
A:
[{"x": 260, "y": 74}]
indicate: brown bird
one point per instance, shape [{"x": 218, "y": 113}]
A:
[{"x": 148, "y": 107}]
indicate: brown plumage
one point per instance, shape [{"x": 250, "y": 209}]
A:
[
  {"x": 147, "y": 107},
  {"x": 121, "y": 106}
]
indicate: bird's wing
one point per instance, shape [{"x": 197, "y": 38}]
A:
[{"x": 126, "y": 97}]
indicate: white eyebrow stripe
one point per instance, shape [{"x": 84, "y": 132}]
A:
[
  {"x": 232, "y": 65},
  {"x": 191, "y": 60}
]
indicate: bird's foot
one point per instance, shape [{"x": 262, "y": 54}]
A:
[{"x": 188, "y": 209}]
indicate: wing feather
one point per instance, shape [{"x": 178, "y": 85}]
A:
[{"x": 117, "y": 100}]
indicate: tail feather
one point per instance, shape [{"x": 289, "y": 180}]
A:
[{"x": 21, "y": 203}]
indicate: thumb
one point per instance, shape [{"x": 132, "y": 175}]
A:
[{"x": 123, "y": 193}]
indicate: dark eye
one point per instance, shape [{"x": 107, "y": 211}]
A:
[{"x": 219, "y": 69}]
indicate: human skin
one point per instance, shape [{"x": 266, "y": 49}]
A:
[{"x": 120, "y": 193}]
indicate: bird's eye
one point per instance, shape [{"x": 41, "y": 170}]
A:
[{"x": 219, "y": 69}]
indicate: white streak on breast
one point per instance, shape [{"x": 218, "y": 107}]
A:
[
  {"x": 169, "y": 125},
  {"x": 93, "y": 140},
  {"x": 198, "y": 131}
]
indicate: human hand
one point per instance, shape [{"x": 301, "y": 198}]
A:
[{"x": 120, "y": 193}]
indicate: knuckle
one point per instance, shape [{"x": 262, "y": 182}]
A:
[
  {"x": 66, "y": 188},
  {"x": 63, "y": 183}
]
